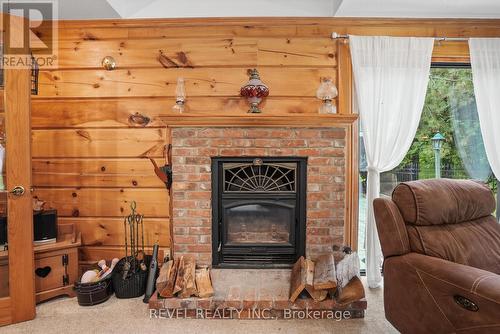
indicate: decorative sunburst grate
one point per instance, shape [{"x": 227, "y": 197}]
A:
[{"x": 260, "y": 177}]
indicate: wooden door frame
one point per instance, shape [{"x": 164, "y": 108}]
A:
[
  {"x": 20, "y": 305},
  {"x": 345, "y": 102}
]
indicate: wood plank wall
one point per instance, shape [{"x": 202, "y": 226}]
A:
[{"x": 88, "y": 160}]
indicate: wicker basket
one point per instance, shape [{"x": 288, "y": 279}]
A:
[
  {"x": 94, "y": 293},
  {"x": 134, "y": 285}
]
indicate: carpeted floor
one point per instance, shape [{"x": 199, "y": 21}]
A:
[{"x": 131, "y": 316}]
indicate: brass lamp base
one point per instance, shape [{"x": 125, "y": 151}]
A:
[{"x": 254, "y": 109}]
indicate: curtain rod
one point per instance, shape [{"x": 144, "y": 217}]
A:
[{"x": 336, "y": 35}]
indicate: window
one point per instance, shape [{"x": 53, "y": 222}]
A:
[{"x": 449, "y": 109}]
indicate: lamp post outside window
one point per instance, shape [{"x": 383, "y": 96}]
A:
[{"x": 437, "y": 142}]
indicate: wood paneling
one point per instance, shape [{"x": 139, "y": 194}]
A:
[
  {"x": 83, "y": 142},
  {"x": 199, "y": 52},
  {"x": 162, "y": 82},
  {"x": 91, "y": 253},
  {"x": 51, "y": 113},
  {"x": 99, "y": 143},
  {"x": 110, "y": 231},
  {"x": 100, "y": 173},
  {"x": 105, "y": 202},
  {"x": 273, "y": 26}
]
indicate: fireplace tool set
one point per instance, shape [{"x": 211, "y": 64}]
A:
[
  {"x": 130, "y": 276},
  {"x": 136, "y": 258}
]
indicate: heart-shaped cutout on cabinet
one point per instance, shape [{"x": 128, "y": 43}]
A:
[{"x": 43, "y": 272}]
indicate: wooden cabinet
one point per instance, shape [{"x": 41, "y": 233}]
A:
[{"x": 56, "y": 269}]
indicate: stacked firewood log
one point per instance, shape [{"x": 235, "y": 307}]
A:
[
  {"x": 180, "y": 278},
  {"x": 323, "y": 277}
]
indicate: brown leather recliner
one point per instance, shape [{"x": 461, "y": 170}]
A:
[{"x": 441, "y": 247}]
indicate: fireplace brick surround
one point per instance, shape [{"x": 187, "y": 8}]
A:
[{"x": 192, "y": 149}]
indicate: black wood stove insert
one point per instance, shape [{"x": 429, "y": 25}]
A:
[{"x": 258, "y": 211}]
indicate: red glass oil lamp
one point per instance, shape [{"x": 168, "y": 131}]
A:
[{"x": 254, "y": 90}]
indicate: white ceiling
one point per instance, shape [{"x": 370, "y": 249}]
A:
[
  {"x": 100, "y": 9},
  {"x": 420, "y": 8}
]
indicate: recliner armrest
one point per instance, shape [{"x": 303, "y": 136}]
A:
[
  {"x": 477, "y": 281},
  {"x": 421, "y": 296}
]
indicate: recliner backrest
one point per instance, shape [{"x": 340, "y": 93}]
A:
[{"x": 452, "y": 220}]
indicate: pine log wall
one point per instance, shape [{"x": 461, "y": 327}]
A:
[{"x": 89, "y": 161}]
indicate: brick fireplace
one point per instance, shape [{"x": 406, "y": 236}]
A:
[{"x": 192, "y": 153}]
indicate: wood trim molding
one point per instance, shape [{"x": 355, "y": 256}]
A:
[
  {"x": 345, "y": 102},
  {"x": 345, "y": 22},
  {"x": 351, "y": 226},
  {"x": 344, "y": 75},
  {"x": 20, "y": 228},
  {"x": 451, "y": 52},
  {"x": 257, "y": 120},
  {"x": 17, "y": 104}
]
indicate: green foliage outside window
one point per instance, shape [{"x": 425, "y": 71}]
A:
[{"x": 448, "y": 88}]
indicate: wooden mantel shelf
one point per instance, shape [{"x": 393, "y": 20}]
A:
[{"x": 258, "y": 120}]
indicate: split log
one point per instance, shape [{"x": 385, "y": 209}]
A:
[
  {"x": 347, "y": 268},
  {"x": 317, "y": 295},
  {"x": 352, "y": 292},
  {"x": 303, "y": 278},
  {"x": 309, "y": 272},
  {"x": 162, "y": 279},
  {"x": 297, "y": 279},
  {"x": 204, "y": 283},
  {"x": 324, "y": 273},
  {"x": 168, "y": 290},
  {"x": 189, "y": 285},
  {"x": 179, "y": 281}
]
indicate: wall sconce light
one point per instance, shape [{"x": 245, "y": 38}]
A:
[
  {"x": 180, "y": 96},
  {"x": 109, "y": 63},
  {"x": 254, "y": 90},
  {"x": 326, "y": 92}
]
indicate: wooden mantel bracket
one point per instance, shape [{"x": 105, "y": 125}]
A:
[{"x": 247, "y": 120}]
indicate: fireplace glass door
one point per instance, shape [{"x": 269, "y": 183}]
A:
[
  {"x": 260, "y": 223},
  {"x": 258, "y": 211}
]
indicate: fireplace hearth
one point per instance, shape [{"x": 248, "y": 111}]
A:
[{"x": 258, "y": 211}]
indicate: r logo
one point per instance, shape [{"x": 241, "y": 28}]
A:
[{"x": 30, "y": 27}]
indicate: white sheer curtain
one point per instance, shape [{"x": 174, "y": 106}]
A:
[
  {"x": 485, "y": 62},
  {"x": 390, "y": 76},
  {"x": 466, "y": 131}
]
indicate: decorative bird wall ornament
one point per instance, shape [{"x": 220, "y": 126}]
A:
[{"x": 164, "y": 172}]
